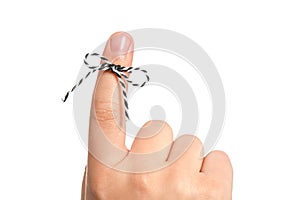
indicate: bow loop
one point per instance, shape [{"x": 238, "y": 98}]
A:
[{"x": 118, "y": 70}]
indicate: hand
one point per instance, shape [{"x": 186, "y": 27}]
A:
[{"x": 186, "y": 178}]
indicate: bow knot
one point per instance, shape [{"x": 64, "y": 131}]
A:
[{"x": 118, "y": 70}]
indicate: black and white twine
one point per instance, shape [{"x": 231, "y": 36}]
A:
[{"x": 118, "y": 70}]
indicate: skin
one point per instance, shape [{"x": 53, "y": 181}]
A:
[{"x": 209, "y": 178}]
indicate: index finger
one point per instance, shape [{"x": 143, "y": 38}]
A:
[{"x": 108, "y": 97}]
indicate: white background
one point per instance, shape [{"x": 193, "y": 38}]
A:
[{"x": 254, "y": 44}]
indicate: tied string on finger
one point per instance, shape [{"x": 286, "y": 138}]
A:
[{"x": 118, "y": 70}]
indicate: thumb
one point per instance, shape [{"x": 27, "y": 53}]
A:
[{"x": 108, "y": 98}]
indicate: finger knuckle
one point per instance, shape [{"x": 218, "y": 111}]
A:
[
  {"x": 141, "y": 185},
  {"x": 213, "y": 190},
  {"x": 105, "y": 112}
]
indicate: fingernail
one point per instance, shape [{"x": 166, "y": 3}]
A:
[{"x": 120, "y": 43}]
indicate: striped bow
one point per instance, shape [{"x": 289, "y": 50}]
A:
[{"x": 118, "y": 70}]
